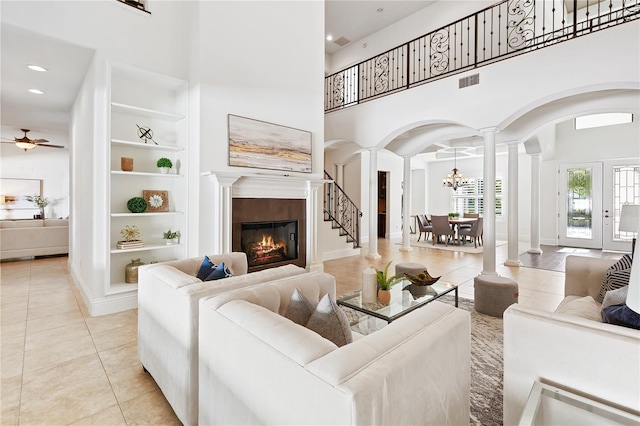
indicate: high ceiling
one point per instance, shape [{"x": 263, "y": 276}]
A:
[
  {"x": 43, "y": 114},
  {"x": 354, "y": 20},
  {"x": 47, "y": 115}
]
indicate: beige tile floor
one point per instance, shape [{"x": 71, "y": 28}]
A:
[{"x": 61, "y": 366}]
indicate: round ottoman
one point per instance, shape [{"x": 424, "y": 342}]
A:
[
  {"x": 410, "y": 268},
  {"x": 492, "y": 294}
]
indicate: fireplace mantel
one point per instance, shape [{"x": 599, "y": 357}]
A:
[{"x": 229, "y": 185}]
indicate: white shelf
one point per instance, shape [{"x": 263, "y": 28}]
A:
[
  {"x": 141, "y": 145},
  {"x": 144, "y": 214},
  {"x": 145, "y": 112},
  {"x": 148, "y": 174},
  {"x": 148, "y": 247}
]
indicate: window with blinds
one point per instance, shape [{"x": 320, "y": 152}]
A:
[{"x": 469, "y": 198}]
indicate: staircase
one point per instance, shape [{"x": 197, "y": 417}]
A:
[{"x": 341, "y": 211}]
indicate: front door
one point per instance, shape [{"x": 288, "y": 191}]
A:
[{"x": 580, "y": 205}]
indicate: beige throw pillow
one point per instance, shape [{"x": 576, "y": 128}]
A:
[{"x": 329, "y": 321}]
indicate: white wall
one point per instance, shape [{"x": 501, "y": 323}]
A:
[{"x": 268, "y": 65}]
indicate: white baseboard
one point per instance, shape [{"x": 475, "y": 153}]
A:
[
  {"x": 110, "y": 304},
  {"x": 339, "y": 254}
]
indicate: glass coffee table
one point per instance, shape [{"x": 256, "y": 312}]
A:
[{"x": 402, "y": 302}]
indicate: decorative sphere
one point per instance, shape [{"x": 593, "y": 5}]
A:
[{"x": 137, "y": 205}]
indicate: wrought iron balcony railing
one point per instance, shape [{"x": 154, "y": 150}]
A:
[{"x": 506, "y": 29}]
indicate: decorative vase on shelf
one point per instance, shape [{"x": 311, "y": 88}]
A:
[
  {"x": 131, "y": 271},
  {"x": 164, "y": 170},
  {"x": 126, "y": 164},
  {"x": 384, "y": 296}
]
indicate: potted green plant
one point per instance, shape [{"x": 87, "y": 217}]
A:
[
  {"x": 385, "y": 282},
  {"x": 164, "y": 164},
  {"x": 454, "y": 215},
  {"x": 171, "y": 236},
  {"x": 40, "y": 202}
]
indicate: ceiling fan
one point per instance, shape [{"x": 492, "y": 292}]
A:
[{"x": 26, "y": 143}]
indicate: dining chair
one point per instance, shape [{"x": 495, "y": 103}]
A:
[
  {"x": 424, "y": 227},
  {"x": 468, "y": 225},
  {"x": 474, "y": 232},
  {"x": 441, "y": 228}
]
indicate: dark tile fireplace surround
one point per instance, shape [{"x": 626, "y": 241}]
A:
[{"x": 271, "y": 230}]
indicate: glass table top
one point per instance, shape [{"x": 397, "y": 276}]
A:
[
  {"x": 549, "y": 405},
  {"x": 403, "y": 300}
]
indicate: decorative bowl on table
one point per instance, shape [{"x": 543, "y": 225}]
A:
[
  {"x": 420, "y": 283},
  {"x": 421, "y": 279}
]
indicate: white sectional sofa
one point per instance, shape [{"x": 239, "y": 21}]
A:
[
  {"x": 586, "y": 356},
  {"x": 37, "y": 237},
  {"x": 168, "y": 295},
  {"x": 258, "y": 367}
]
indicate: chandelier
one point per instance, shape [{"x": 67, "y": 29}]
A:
[{"x": 454, "y": 180}]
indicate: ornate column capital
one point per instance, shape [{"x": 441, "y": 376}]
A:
[{"x": 489, "y": 130}]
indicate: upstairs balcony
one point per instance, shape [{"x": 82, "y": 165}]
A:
[{"x": 507, "y": 29}]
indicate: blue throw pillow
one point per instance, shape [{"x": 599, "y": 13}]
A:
[
  {"x": 621, "y": 315},
  {"x": 220, "y": 271},
  {"x": 205, "y": 268}
]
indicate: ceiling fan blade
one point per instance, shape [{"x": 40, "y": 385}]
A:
[
  {"x": 39, "y": 140},
  {"x": 8, "y": 139},
  {"x": 51, "y": 146}
]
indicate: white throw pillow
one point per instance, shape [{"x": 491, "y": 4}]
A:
[
  {"x": 615, "y": 297},
  {"x": 585, "y": 307}
]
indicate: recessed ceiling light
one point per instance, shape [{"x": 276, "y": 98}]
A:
[
  {"x": 379, "y": 9},
  {"x": 329, "y": 37},
  {"x": 36, "y": 91},
  {"x": 37, "y": 68}
]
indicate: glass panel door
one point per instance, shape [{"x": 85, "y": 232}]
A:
[
  {"x": 580, "y": 217},
  {"x": 621, "y": 186}
]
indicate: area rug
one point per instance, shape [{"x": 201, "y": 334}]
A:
[
  {"x": 486, "y": 360},
  {"x": 465, "y": 248}
]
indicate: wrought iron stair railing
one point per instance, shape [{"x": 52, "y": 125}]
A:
[
  {"x": 341, "y": 211},
  {"x": 508, "y": 28}
]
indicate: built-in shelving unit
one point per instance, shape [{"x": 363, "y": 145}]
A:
[{"x": 145, "y": 99}]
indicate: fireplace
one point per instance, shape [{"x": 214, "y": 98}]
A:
[
  {"x": 271, "y": 231},
  {"x": 269, "y": 242}
]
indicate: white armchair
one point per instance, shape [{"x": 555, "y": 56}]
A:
[
  {"x": 168, "y": 295},
  {"x": 596, "y": 359}
]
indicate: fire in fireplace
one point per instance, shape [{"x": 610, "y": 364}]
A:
[{"x": 269, "y": 242}]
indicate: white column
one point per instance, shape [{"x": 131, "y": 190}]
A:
[
  {"x": 489, "y": 209},
  {"x": 373, "y": 204},
  {"x": 406, "y": 206},
  {"x": 535, "y": 205},
  {"x": 512, "y": 208},
  {"x": 222, "y": 215},
  {"x": 314, "y": 240}
]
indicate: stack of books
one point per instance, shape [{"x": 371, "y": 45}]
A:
[{"x": 130, "y": 244}]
